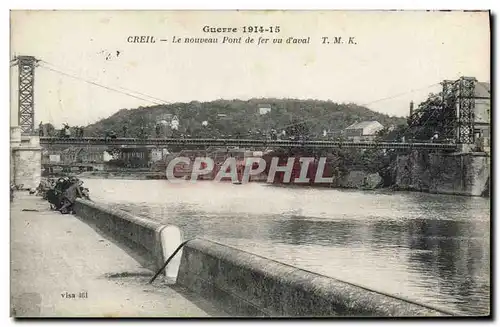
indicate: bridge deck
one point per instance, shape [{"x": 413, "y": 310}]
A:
[{"x": 242, "y": 142}]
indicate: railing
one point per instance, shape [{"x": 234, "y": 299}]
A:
[
  {"x": 243, "y": 142},
  {"x": 74, "y": 164}
]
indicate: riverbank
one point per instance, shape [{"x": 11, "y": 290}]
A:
[
  {"x": 353, "y": 180},
  {"x": 138, "y": 175},
  {"x": 61, "y": 267}
]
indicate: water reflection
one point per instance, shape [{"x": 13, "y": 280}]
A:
[
  {"x": 432, "y": 249},
  {"x": 299, "y": 230},
  {"x": 457, "y": 258}
]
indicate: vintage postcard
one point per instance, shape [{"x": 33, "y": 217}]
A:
[{"x": 250, "y": 163}]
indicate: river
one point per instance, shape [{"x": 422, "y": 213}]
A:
[{"x": 429, "y": 248}]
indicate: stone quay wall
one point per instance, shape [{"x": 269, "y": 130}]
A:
[
  {"x": 459, "y": 174},
  {"x": 246, "y": 284},
  {"x": 25, "y": 159},
  {"x": 141, "y": 234}
]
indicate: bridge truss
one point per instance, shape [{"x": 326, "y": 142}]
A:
[{"x": 240, "y": 143}]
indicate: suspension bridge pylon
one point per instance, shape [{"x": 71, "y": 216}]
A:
[{"x": 26, "y": 93}]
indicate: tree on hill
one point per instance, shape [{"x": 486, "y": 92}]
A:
[
  {"x": 242, "y": 118},
  {"x": 431, "y": 117},
  {"x": 298, "y": 130}
]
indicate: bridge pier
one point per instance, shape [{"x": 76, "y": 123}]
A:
[
  {"x": 460, "y": 173},
  {"x": 25, "y": 159}
]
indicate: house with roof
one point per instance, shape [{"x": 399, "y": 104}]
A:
[
  {"x": 481, "y": 116},
  {"x": 363, "y": 131},
  {"x": 482, "y": 110},
  {"x": 264, "y": 109}
]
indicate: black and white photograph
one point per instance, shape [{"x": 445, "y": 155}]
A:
[{"x": 250, "y": 164}]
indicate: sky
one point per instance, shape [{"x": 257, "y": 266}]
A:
[{"x": 399, "y": 56}]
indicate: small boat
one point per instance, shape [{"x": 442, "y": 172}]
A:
[{"x": 237, "y": 183}]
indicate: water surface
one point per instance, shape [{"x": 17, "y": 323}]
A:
[{"x": 430, "y": 248}]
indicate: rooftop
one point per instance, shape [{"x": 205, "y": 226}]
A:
[
  {"x": 482, "y": 90},
  {"x": 363, "y": 124}
]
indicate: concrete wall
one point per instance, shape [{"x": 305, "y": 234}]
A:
[
  {"x": 143, "y": 234},
  {"x": 15, "y": 136},
  {"x": 242, "y": 283},
  {"x": 249, "y": 285},
  {"x": 464, "y": 174},
  {"x": 460, "y": 174},
  {"x": 25, "y": 159},
  {"x": 27, "y": 166}
]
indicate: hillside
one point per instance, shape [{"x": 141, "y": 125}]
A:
[{"x": 239, "y": 118}]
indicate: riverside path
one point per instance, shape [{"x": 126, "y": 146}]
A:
[{"x": 60, "y": 266}]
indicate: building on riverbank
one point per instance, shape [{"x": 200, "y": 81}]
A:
[
  {"x": 482, "y": 114},
  {"x": 363, "y": 131},
  {"x": 71, "y": 155}
]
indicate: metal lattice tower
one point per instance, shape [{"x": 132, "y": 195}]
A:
[
  {"x": 26, "y": 65},
  {"x": 449, "y": 109},
  {"x": 466, "y": 104}
]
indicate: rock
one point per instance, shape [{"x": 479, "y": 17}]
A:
[
  {"x": 372, "y": 181},
  {"x": 354, "y": 179},
  {"x": 360, "y": 179}
]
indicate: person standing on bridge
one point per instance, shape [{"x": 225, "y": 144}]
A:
[
  {"x": 274, "y": 135},
  {"x": 124, "y": 130},
  {"x": 66, "y": 130},
  {"x": 158, "y": 130},
  {"x": 109, "y": 135},
  {"x": 40, "y": 129}
]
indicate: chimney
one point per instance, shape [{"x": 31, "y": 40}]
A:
[{"x": 411, "y": 108}]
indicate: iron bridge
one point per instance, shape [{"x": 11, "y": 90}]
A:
[
  {"x": 242, "y": 143},
  {"x": 74, "y": 164}
]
